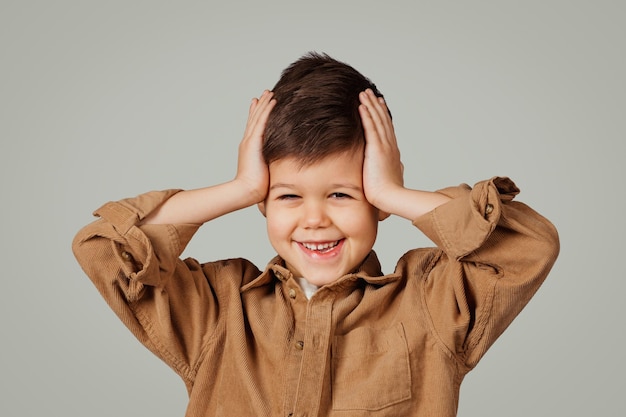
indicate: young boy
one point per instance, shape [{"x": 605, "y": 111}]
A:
[{"x": 321, "y": 331}]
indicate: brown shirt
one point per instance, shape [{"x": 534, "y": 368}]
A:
[{"x": 248, "y": 343}]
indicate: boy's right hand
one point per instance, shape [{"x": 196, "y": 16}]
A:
[
  {"x": 247, "y": 188},
  {"x": 252, "y": 171}
]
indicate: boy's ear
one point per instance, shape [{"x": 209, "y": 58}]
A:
[
  {"x": 261, "y": 207},
  {"x": 382, "y": 215}
]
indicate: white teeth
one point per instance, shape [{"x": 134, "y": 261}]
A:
[{"x": 321, "y": 246}]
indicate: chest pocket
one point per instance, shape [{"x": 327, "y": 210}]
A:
[{"x": 370, "y": 369}]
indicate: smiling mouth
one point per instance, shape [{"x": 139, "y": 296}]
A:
[{"x": 321, "y": 247}]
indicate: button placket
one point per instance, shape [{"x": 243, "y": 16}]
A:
[{"x": 315, "y": 353}]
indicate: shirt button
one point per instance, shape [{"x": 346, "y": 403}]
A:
[
  {"x": 488, "y": 208},
  {"x": 127, "y": 256},
  {"x": 292, "y": 293},
  {"x": 299, "y": 345}
]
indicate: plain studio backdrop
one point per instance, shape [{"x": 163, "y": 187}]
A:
[{"x": 101, "y": 100}]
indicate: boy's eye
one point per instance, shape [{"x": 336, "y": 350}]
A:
[
  {"x": 287, "y": 197},
  {"x": 339, "y": 195}
]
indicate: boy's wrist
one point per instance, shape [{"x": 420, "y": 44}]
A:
[
  {"x": 388, "y": 200},
  {"x": 410, "y": 204},
  {"x": 248, "y": 194}
]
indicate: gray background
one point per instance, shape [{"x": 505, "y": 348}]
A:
[{"x": 104, "y": 100}]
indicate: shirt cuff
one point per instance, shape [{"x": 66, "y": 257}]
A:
[
  {"x": 125, "y": 214},
  {"x": 147, "y": 253},
  {"x": 463, "y": 224}
]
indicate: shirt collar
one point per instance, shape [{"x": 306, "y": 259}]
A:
[{"x": 369, "y": 271}]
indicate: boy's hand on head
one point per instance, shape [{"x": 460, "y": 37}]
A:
[
  {"x": 383, "y": 181},
  {"x": 252, "y": 171},
  {"x": 247, "y": 188},
  {"x": 382, "y": 168}
]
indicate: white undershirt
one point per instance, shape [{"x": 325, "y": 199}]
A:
[{"x": 308, "y": 288}]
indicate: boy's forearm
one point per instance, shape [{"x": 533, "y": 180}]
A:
[
  {"x": 203, "y": 204},
  {"x": 411, "y": 204}
]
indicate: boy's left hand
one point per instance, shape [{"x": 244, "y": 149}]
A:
[{"x": 382, "y": 168}]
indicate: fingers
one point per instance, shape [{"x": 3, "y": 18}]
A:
[
  {"x": 376, "y": 119},
  {"x": 258, "y": 113},
  {"x": 252, "y": 170},
  {"x": 382, "y": 168}
]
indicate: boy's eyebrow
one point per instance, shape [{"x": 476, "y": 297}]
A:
[
  {"x": 281, "y": 185},
  {"x": 338, "y": 185},
  {"x": 347, "y": 185}
]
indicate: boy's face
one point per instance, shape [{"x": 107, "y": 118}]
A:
[{"x": 318, "y": 219}]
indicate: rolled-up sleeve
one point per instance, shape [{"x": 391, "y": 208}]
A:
[
  {"x": 496, "y": 254},
  {"x": 137, "y": 270}
]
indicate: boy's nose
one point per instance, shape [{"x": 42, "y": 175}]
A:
[{"x": 315, "y": 216}]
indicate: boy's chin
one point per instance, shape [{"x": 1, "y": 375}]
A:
[
  {"x": 314, "y": 276},
  {"x": 319, "y": 279}
]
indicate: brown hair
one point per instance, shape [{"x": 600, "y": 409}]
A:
[{"x": 316, "y": 112}]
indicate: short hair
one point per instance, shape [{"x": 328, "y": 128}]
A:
[{"x": 316, "y": 112}]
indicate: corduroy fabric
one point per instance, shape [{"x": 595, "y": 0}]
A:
[{"x": 247, "y": 342}]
